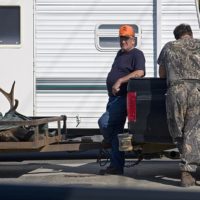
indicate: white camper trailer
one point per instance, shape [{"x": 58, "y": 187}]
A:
[{"x": 60, "y": 51}]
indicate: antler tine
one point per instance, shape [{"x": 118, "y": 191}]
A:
[
  {"x": 10, "y": 97},
  {"x": 12, "y": 94}
]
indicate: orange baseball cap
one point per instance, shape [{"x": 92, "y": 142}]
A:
[{"x": 126, "y": 30}]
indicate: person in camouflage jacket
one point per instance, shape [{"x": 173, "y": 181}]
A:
[{"x": 179, "y": 63}]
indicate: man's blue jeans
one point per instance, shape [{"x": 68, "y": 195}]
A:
[{"x": 111, "y": 123}]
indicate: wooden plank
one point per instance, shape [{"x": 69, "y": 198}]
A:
[
  {"x": 40, "y": 147},
  {"x": 71, "y": 147},
  {"x": 20, "y": 145},
  {"x": 30, "y": 145}
]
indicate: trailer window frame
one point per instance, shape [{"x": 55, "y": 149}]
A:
[
  {"x": 107, "y": 36},
  {"x": 198, "y": 10},
  {"x": 10, "y": 32}
]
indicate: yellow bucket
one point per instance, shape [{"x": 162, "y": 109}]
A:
[{"x": 125, "y": 142}]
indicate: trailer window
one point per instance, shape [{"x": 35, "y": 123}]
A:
[
  {"x": 9, "y": 25},
  {"x": 107, "y": 36}
]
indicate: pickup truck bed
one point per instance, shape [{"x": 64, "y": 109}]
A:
[{"x": 150, "y": 124}]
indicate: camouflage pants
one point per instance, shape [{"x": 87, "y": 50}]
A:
[{"x": 183, "y": 114}]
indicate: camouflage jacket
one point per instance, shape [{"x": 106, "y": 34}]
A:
[{"x": 181, "y": 59}]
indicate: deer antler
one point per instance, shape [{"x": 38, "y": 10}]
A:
[{"x": 10, "y": 96}]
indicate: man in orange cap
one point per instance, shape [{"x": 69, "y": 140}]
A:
[{"x": 129, "y": 63}]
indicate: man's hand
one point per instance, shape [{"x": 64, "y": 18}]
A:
[
  {"x": 116, "y": 87},
  {"x": 120, "y": 81}
]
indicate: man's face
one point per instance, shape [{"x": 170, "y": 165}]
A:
[{"x": 127, "y": 43}]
